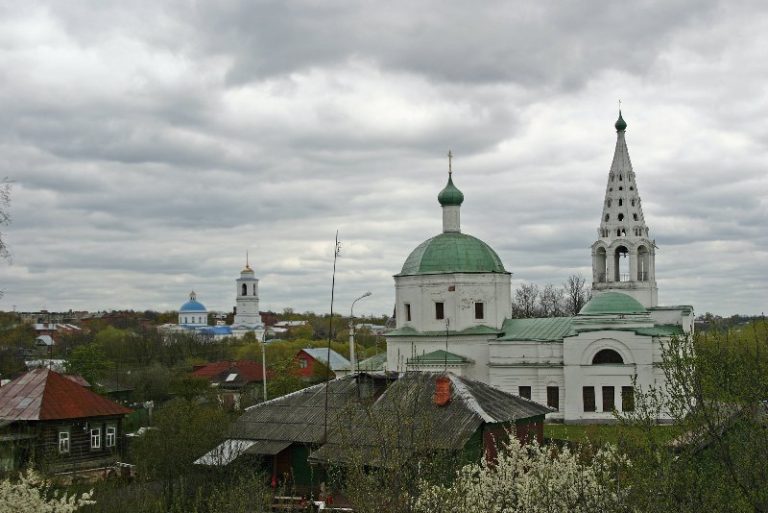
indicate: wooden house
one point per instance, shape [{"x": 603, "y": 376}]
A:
[
  {"x": 59, "y": 425},
  {"x": 372, "y": 416}
]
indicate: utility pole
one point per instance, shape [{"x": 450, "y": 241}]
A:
[{"x": 352, "y": 358}]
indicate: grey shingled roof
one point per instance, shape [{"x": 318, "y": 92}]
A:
[{"x": 355, "y": 418}]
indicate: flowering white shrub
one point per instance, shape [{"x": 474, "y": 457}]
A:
[
  {"x": 533, "y": 479},
  {"x": 33, "y": 494}
]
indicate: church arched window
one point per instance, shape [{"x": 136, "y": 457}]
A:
[
  {"x": 254, "y": 289},
  {"x": 609, "y": 202},
  {"x": 621, "y": 217},
  {"x": 245, "y": 290},
  {"x": 607, "y": 356},
  {"x": 607, "y": 216},
  {"x": 621, "y": 202}
]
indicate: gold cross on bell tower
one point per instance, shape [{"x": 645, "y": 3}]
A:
[{"x": 450, "y": 162}]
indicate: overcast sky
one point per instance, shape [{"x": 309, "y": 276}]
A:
[{"x": 152, "y": 143}]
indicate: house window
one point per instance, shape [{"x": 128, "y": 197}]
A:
[
  {"x": 439, "y": 310},
  {"x": 111, "y": 438},
  {"x": 553, "y": 397},
  {"x": 63, "y": 442},
  {"x": 407, "y": 311},
  {"x": 628, "y": 398},
  {"x": 479, "y": 311},
  {"x": 303, "y": 363},
  {"x": 96, "y": 438},
  {"x": 609, "y": 402},
  {"x": 589, "y": 398},
  {"x": 524, "y": 392}
]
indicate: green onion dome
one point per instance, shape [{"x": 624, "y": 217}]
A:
[
  {"x": 620, "y": 125},
  {"x": 450, "y": 195}
]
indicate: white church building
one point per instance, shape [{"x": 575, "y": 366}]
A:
[
  {"x": 193, "y": 315},
  {"x": 453, "y": 309}
]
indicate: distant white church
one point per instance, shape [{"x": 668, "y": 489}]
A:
[
  {"x": 193, "y": 315},
  {"x": 453, "y": 308}
]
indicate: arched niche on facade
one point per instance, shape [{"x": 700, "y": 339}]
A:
[
  {"x": 595, "y": 348},
  {"x": 607, "y": 357}
]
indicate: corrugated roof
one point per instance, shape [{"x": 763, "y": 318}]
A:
[
  {"x": 408, "y": 417},
  {"x": 549, "y": 329},
  {"x": 320, "y": 354},
  {"x": 42, "y": 394},
  {"x": 352, "y": 411}
]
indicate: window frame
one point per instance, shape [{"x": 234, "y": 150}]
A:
[
  {"x": 481, "y": 312},
  {"x": 95, "y": 437},
  {"x": 407, "y": 307},
  {"x": 439, "y": 310},
  {"x": 67, "y": 439},
  {"x": 609, "y": 391},
  {"x": 627, "y": 398},
  {"x": 589, "y": 399},
  {"x": 553, "y": 397},
  {"x": 110, "y": 436},
  {"x": 525, "y": 391}
]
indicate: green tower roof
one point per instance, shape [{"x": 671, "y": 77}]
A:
[
  {"x": 452, "y": 252},
  {"x": 450, "y": 195},
  {"x": 620, "y": 125},
  {"x": 612, "y": 303}
]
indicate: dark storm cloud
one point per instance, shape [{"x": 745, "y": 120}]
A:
[{"x": 152, "y": 143}]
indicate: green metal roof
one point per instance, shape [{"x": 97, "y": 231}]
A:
[
  {"x": 374, "y": 363},
  {"x": 620, "y": 125},
  {"x": 450, "y": 195},
  {"x": 407, "y": 331},
  {"x": 550, "y": 329},
  {"x": 452, "y": 252},
  {"x": 439, "y": 357},
  {"x": 612, "y": 303}
]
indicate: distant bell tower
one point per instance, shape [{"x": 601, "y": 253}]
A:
[
  {"x": 247, "y": 313},
  {"x": 623, "y": 257}
]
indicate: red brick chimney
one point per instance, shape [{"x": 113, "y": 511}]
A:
[{"x": 442, "y": 391}]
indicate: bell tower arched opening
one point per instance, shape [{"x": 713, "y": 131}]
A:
[
  {"x": 244, "y": 291},
  {"x": 643, "y": 264},
  {"x": 621, "y": 264},
  {"x": 601, "y": 262}
]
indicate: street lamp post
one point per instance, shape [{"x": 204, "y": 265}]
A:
[
  {"x": 264, "y": 361},
  {"x": 352, "y": 331}
]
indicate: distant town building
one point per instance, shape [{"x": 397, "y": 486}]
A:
[{"x": 194, "y": 316}]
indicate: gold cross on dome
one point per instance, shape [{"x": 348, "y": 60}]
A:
[{"x": 450, "y": 163}]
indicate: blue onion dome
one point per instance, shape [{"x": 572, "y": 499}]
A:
[
  {"x": 620, "y": 125},
  {"x": 450, "y": 195},
  {"x": 193, "y": 305}
]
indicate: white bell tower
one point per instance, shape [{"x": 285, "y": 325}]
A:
[
  {"x": 623, "y": 257},
  {"x": 247, "y": 312}
]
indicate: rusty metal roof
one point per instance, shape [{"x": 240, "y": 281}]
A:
[{"x": 42, "y": 394}]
